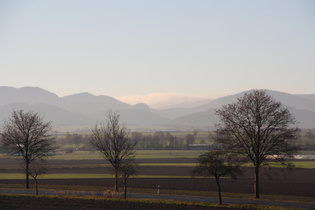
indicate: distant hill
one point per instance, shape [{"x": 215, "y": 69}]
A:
[
  {"x": 57, "y": 115},
  {"x": 301, "y": 106},
  {"x": 29, "y": 95},
  {"x": 88, "y": 103},
  {"x": 88, "y": 109},
  {"x": 77, "y": 109},
  {"x": 204, "y": 119},
  {"x": 310, "y": 96}
]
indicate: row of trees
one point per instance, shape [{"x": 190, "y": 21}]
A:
[
  {"x": 26, "y": 135},
  {"x": 253, "y": 129},
  {"x": 146, "y": 141},
  {"x": 164, "y": 141}
]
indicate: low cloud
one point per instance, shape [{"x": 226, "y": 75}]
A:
[{"x": 163, "y": 100}]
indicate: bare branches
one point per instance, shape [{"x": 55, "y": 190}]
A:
[
  {"x": 127, "y": 169},
  {"x": 26, "y": 135},
  {"x": 259, "y": 127},
  {"x": 111, "y": 140},
  {"x": 37, "y": 168},
  {"x": 217, "y": 163}
]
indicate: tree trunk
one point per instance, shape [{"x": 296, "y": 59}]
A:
[
  {"x": 217, "y": 180},
  {"x": 125, "y": 188},
  {"x": 116, "y": 181},
  {"x": 256, "y": 184},
  {"x": 36, "y": 186},
  {"x": 27, "y": 182}
]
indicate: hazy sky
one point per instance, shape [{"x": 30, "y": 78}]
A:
[{"x": 148, "y": 50}]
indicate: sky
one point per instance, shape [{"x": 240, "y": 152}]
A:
[{"x": 158, "y": 51}]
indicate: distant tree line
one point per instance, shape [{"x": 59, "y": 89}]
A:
[
  {"x": 72, "y": 142},
  {"x": 307, "y": 139},
  {"x": 158, "y": 140}
]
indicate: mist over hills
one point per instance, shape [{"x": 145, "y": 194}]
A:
[{"x": 87, "y": 109}]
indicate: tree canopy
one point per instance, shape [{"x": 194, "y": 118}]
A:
[
  {"x": 111, "y": 140},
  {"x": 258, "y": 128},
  {"x": 217, "y": 164},
  {"x": 26, "y": 135}
]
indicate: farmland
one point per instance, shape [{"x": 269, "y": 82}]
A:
[{"x": 169, "y": 169}]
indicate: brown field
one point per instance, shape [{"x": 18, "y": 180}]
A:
[{"x": 299, "y": 182}]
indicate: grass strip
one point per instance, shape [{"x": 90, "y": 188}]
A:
[
  {"x": 65, "y": 202},
  {"x": 142, "y": 154},
  {"x": 304, "y": 164},
  {"x": 6, "y": 176},
  {"x": 164, "y": 192},
  {"x": 68, "y": 166},
  {"x": 298, "y": 164}
]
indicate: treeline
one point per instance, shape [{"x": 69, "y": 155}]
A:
[
  {"x": 145, "y": 141},
  {"x": 307, "y": 139},
  {"x": 165, "y": 140},
  {"x": 72, "y": 142},
  {"x": 162, "y": 141}
]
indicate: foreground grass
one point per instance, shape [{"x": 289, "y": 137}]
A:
[
  {"x": 164, "y": 191},
  {"x": 72, "y": 202}
]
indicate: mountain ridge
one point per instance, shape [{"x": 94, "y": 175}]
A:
[{"x": 87, "y": 109}]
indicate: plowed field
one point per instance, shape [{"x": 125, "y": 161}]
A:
[{"x": 299, "y": 182}]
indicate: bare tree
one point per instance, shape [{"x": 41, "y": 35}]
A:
[
  {"x": 258, "y": 127},
  {"x": 26, "y": 135},
  {"x": 111, "y": 140},
  {"x": 37, "y": 168},
  {"x": 127, "y": 169},
  {"x": 217, "y": 164}
]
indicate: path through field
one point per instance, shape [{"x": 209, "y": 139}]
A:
[{"x": 168, "y": 197}]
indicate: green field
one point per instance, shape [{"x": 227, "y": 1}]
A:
[
  {"x": 159, "y": 163},
  {"x": 140, "y": 154},
  {"x": 304, "y": 164},
  {"x": 298, "y": 164},
  {"x": 145, "y": 154},
  {"x": 307, "y": 152},
  {"x": 157, "y": 154},
  {"x": 6, "y": 176}
]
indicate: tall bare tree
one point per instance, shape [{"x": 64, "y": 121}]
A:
[
  {"x": 258, "y": 127},
  {"x": 111, "y": 140},
  {"x": 25, "y": 135},
  {"x": 217, "y": 164}
]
